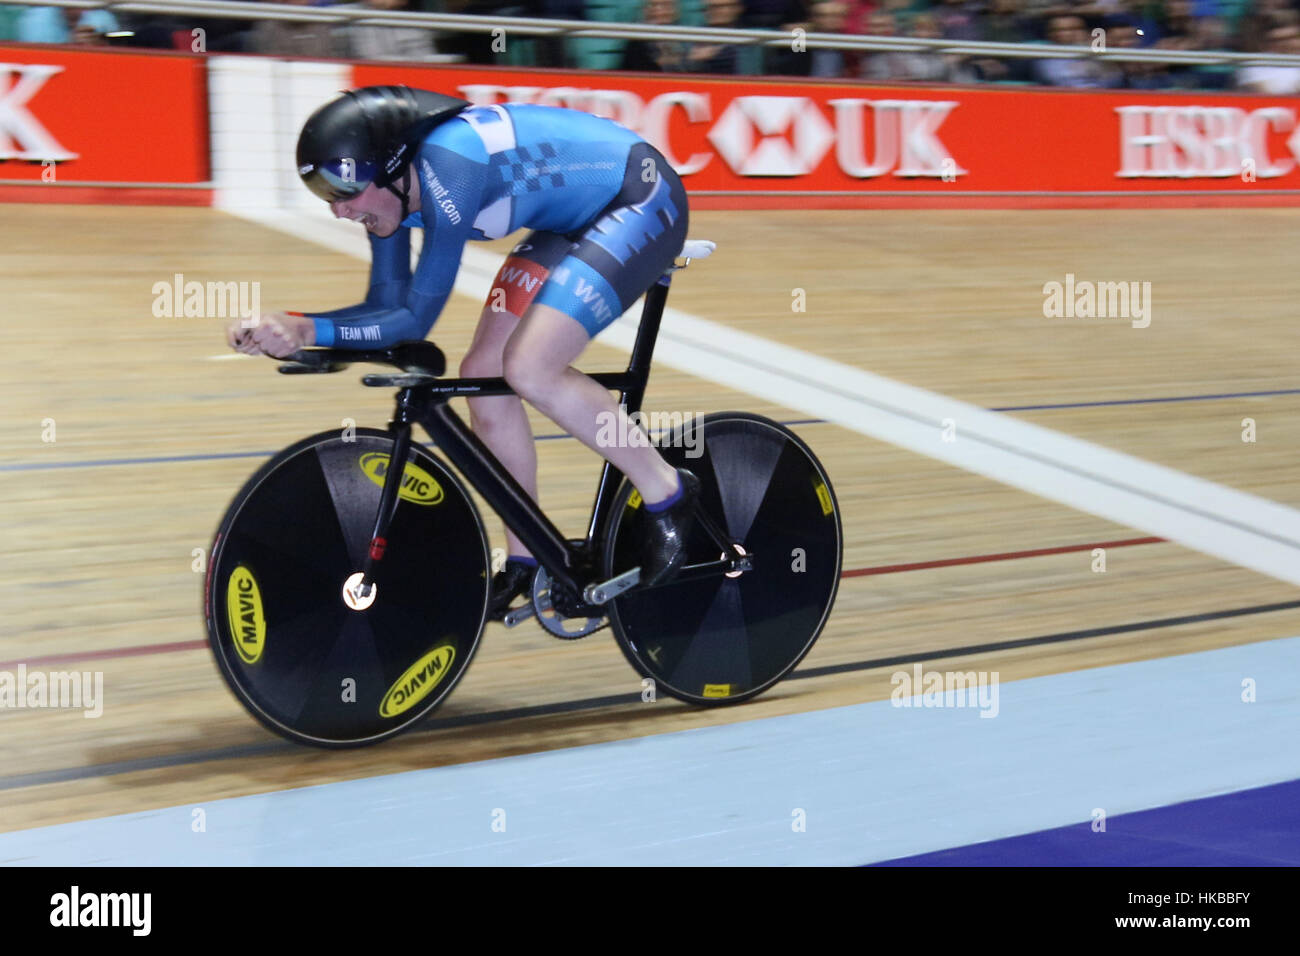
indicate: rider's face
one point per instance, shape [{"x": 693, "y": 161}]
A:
[{"x": 374, "y": 207}]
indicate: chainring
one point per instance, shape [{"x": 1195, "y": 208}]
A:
[{"x": 566, "y": 628}]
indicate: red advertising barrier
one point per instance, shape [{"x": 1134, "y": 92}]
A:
[
  {"x": 753, "y": 142},
  {"x": 81, "y": 125},
  {"x": 86, "y": 120}
]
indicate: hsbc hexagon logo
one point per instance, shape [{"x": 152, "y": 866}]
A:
[{"x": 770, "y": 118}]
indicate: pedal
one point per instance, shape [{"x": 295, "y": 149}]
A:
[
  {"x": 518, "y": 615},
  {"x": 608, "y": 590}
]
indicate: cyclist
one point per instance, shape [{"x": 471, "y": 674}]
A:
[{"x": 607, "y": 215}]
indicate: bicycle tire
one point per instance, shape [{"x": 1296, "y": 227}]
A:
[
  {"x": 723, "y": 640},
  {"x": 302, "y": 662}
]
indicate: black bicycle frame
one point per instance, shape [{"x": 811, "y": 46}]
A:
[{"x": 427, "y": 405}]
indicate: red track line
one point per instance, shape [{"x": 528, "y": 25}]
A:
[
  {"x": 140, "y": 649},
  {"x": 135, "y": 651},
  {"x": 1005, "y": 556}
]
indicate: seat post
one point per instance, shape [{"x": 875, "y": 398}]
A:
[
  {"x": 633, "y": 391},
  {"x": 638, "y": 367}
]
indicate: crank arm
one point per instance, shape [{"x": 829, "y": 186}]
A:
[
  {"x": 718, "y": 535},
  {"x": 711, "y": 569},
  {"x": 597, "y": 594},
  {"x": 608, "y": 590},
  {"x": 519, "y": 615}
]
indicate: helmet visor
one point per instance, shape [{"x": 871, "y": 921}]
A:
[{"x": 337, "y": 179}]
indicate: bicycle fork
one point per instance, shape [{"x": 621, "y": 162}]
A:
[{"x": 361, "y": 590}]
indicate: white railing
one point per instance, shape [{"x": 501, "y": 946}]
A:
[{"x": 527, "y": 26}]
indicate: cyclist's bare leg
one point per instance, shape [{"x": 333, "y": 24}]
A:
[
  {"x": 501, "y": 422},
  {"x": 537, "y": 367}
]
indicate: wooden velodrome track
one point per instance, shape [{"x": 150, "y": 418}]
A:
[{"x": 96, "y": 561}]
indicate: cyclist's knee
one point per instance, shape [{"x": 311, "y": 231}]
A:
[
  {"x": 481, "y": 363},
  {"x": 527, "y": 375}
]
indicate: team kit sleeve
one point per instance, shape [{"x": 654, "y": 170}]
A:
[{"x": 400, "y": 306}]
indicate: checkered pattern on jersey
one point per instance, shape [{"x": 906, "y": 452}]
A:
[{"x": 528, "y": 168}]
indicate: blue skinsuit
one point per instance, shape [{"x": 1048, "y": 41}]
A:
[{"x": 608, "y": 215}]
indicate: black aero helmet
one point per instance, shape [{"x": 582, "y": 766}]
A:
[{"x": 367, "y": 136}]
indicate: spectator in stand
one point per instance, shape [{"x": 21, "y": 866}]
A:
[
  {"x": 1177, "y": 21},
  {"x": 375, "y": 42},
  {"x": 856, "y": 21},
  {"x": 218, "y": 34},
  {"x": 287, "y": 38},
  {"x": 927, "y": 65},
  {"x": 656, "y": 56},
  {"x": 1177, "y": 31},
  {"x": 64, "y": 25},
  {"x": 828, "y": 16},
  {"x": 956, "y": 20},
  {"x": 885, "y": 64},
  {"x": 715, "y": 57},
  {"x": 1038, "y": 14},
  {"x": 931, "y": 65},
  {"x": 1002, "y": 22},
  {"x": 773, "y": 14},
  {"x": 1264, "y": 17},
  {"x": 554, "y": 51},
  {"x": 786, "y": 16},
  {"x": 1274, "y": 80},
  {"x": 474, "y": 47},
  {"x": 1122, "y": 34},
  {"x": 1081, "y": 73},
  {"x": 1212, "y": 33}
]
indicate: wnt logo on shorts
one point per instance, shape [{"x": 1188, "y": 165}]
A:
[
  {"x": 525, "y": 278},
  {"x": 517, "y": 284}
]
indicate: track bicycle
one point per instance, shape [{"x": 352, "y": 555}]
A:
[{"x": 343, "y": 607}]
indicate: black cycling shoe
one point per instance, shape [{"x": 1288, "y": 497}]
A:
[
  {"x": 508, "y": 585},
  {"x": 663, "y": 550}
]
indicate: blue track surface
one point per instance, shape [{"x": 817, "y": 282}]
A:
[
  {"x": 1259, "y": 827},
  {"x": 843, "y": 786}
]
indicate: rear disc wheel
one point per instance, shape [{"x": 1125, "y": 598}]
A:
[{"x": 726, "y": 638}]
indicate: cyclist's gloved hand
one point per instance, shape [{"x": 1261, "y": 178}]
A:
[{"x": 278, "y": 334}]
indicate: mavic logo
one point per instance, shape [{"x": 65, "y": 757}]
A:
[{"x": 22, "y": 136}]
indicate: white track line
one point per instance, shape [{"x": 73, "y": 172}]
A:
[{"x": 1241, "y": 528}]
